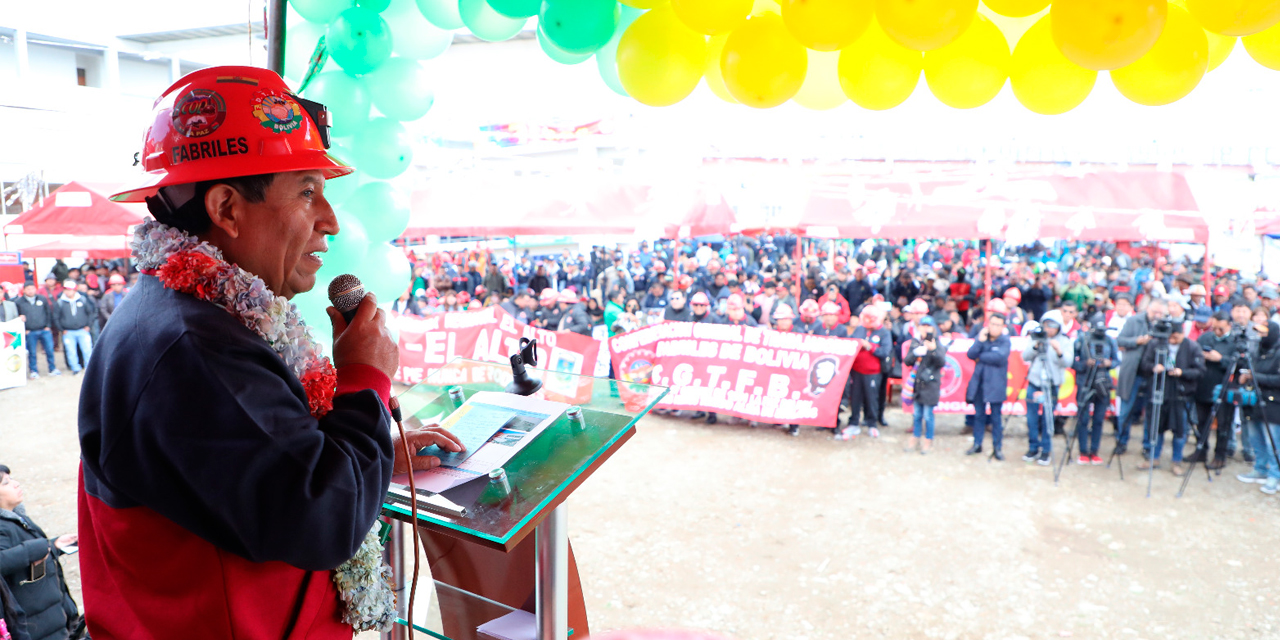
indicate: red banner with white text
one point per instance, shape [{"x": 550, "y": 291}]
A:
[
  {"x": 490, "y": 335},
  {"x": 959, "y": 369},
  {"x": 750, "y": 372}
]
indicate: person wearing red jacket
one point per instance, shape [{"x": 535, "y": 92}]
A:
[
  {"x": 875, "y": 344},
  {"x": 833, "y": 295},
  {"x": 224, "y": 477}
]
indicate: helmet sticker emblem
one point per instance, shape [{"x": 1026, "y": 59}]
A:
[
  {"x": 276, "y": 112},
  {"x": 198, "y": 113}
]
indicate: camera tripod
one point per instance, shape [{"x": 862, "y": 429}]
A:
[
  {"x": 1157, "y": 407},
  {"x": 1156, "y": 402},
  {"x": 1202, "y": 435},
  {"x": 1090, "y": 392}
]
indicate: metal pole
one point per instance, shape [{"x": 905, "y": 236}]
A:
[
  {"x": 552, "y": 567},
  {"x": 275, "y": 35},
  {"x": 399, "y": 578}
]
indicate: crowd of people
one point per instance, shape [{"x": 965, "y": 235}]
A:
[
  {"x": 1094, "y": 308},
  {"x": 1097, "y": 309}
]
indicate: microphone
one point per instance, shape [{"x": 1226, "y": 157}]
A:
[{"x": 345, "y": 293}]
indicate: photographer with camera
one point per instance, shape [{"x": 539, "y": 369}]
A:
[
  {"x": 928, "y": 354},
  {"x": 1135, "y": 386},
  {"x": 1267, "y": 364},
  {"x": 1218, "y": 345},
  {"x": 1183, "y": 366},
  {"x": 1095, "y": 352},
  {"x": 1050, "y": 353}
]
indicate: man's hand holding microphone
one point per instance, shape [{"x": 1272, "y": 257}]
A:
[{"x": 360, "y": 336}]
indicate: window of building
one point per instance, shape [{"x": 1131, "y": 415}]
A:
[{"x": 82, "y": 77}]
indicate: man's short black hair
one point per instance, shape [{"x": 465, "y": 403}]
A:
[
  {"x": 1241, "y": 303},
  {"x": 192, "y": 217},
  {"x": 4, "y": 471}
]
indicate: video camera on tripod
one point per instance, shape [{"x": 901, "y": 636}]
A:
[{"x": 1161, "y": 329}]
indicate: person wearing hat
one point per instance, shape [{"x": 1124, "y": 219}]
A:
[
  {"x": 988, "y": 386},
  {"x": 736, "y": 312},
  {"x": 828, "y": 321},
  {"x": 227, "y": 469},
  {"x": 1221, "y": 298},
  {"x": 858, "y": 289},
  {"x": 547, "y": 316},
  {"x": 1048, "y": 360},
  {"x": 573, "y": 315},
  {"x": 809, "y": 312},
  {"x": 1269, "y": 298},
  {"x": 700, "y": 305},
  {"x": 1201, "y": 325},
  {"x": 72, "y": 315},
  {"x": 875, "y": 349},
  {"x": 111, "y": 299},
  {"x": 1015, "y": 315}
]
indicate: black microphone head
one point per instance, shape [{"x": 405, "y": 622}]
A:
[{"x": 345, "y": 293}]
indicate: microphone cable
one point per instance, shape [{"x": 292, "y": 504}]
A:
[{"x": 394, "y": 405}]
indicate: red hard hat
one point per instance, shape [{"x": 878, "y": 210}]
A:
[
  {"x": 228, "y": 122},
  {"x": 1014, "y": 293}
]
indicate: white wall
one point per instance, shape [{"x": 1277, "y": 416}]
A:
[{"x": 142, "y": 78}]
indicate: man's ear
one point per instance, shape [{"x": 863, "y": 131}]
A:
[{"x": 225, "y": 207}]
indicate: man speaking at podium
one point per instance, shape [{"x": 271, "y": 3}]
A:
[{"x": 227, "y": 467}]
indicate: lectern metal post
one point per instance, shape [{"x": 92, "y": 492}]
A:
[{"x": 552, "y": 565}]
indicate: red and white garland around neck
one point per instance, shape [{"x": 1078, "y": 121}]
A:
[{"x": 184, "y": 263}]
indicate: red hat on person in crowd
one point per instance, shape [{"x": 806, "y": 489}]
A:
[
  {"x": 548, "y": 294},
  {"x": 810, "y": 308},
  {"x": 841, "y": 261},
  {"x": 1073, "y": 277},
  {"x": 830, "y": 309},
  {"x": 783, "y": 312},
  {"x": 1220, "y": 291},
  {"x": 686, "y": 281},
  {"x": 1013, "y": 293},
  {"x": 568, "y": 296},
  {"x": 736, "y": 301},
  {"x": 732, "y": 258},
  {"x": 996, "y": 305},
  {"x": 433, "y": 293},
  {"x": 116, "y": 279},
  {"x": 464, "y": 297},
  {"x": 917, "y": 306},
  {"x": 229, "y": 122},
  {"x": 480, "y": 291},
  {"x": 870, "y": 264},
  {"x": 699, "y": 298},
  {"x": 658, "y": 266}
]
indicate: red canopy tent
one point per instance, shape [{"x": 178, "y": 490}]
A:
[
  {"x": 91, "y": 248},
  {"x": 1267, "y": 222},
  {"x": 1098, "y": 205},
  {"x": 75, "y": 209}
]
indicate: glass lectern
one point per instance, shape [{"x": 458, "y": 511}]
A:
[{"x": 483, "y": 566}]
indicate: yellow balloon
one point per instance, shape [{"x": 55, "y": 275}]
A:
[
  {"x": 970, "y": 71},
  {"x": 660, "y": 60},
  {"x": 765, "y": 6},
  {"x": 763, "y": 65},
  {"x": 715, "y": 79},
  {"x": 1264, "y": 47},
  {"x": 1106, "y": 34},
  {"x": 1235, "y": 17},
  {"x": 712, "y": 16},
  {"x": 1219, "y": 48},
  {"x": 1043, "y": 79},
  {"x": 827, "y": 25},
  {"x": 1172, "y": 68},
  {"x": 821, "y": 89},
  {"x": 1016, "y": 8},
  {"x": 643, "y": 4},
  {"x": 925, "y": 25},
  {"x": 878, "y": 73}
]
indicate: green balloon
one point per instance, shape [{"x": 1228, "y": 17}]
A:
[
  {"x": 401, "y": 89},
  {"x": 412, "y": 35},
  {"x": 516, "y": 8},
  {"x": 579, "y": 26},
  {"x": 347, "y": 99},
  {"x": 383, "y": 150},
  {"x": 338, "y": 190},
  {"x": 299, "y": 43},
  {"x": 359, "y": 40},
  {"x": 348, "y": 248},
  {"x": 382, "y": 209},
  {"x": 376, "y": 6},
  {"x": 320, "y": 11},
  {"x": 311, "y": 306},
  {"x": 558, "y": 54},
  {"x": 385, "y": 271},
  {"x": 487, "y": 24},
  {"x": 607, "y": 56},
  {"x": 441, "y": 13}
]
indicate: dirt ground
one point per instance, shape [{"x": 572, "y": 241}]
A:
[{"x": 756, "y": 535}]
